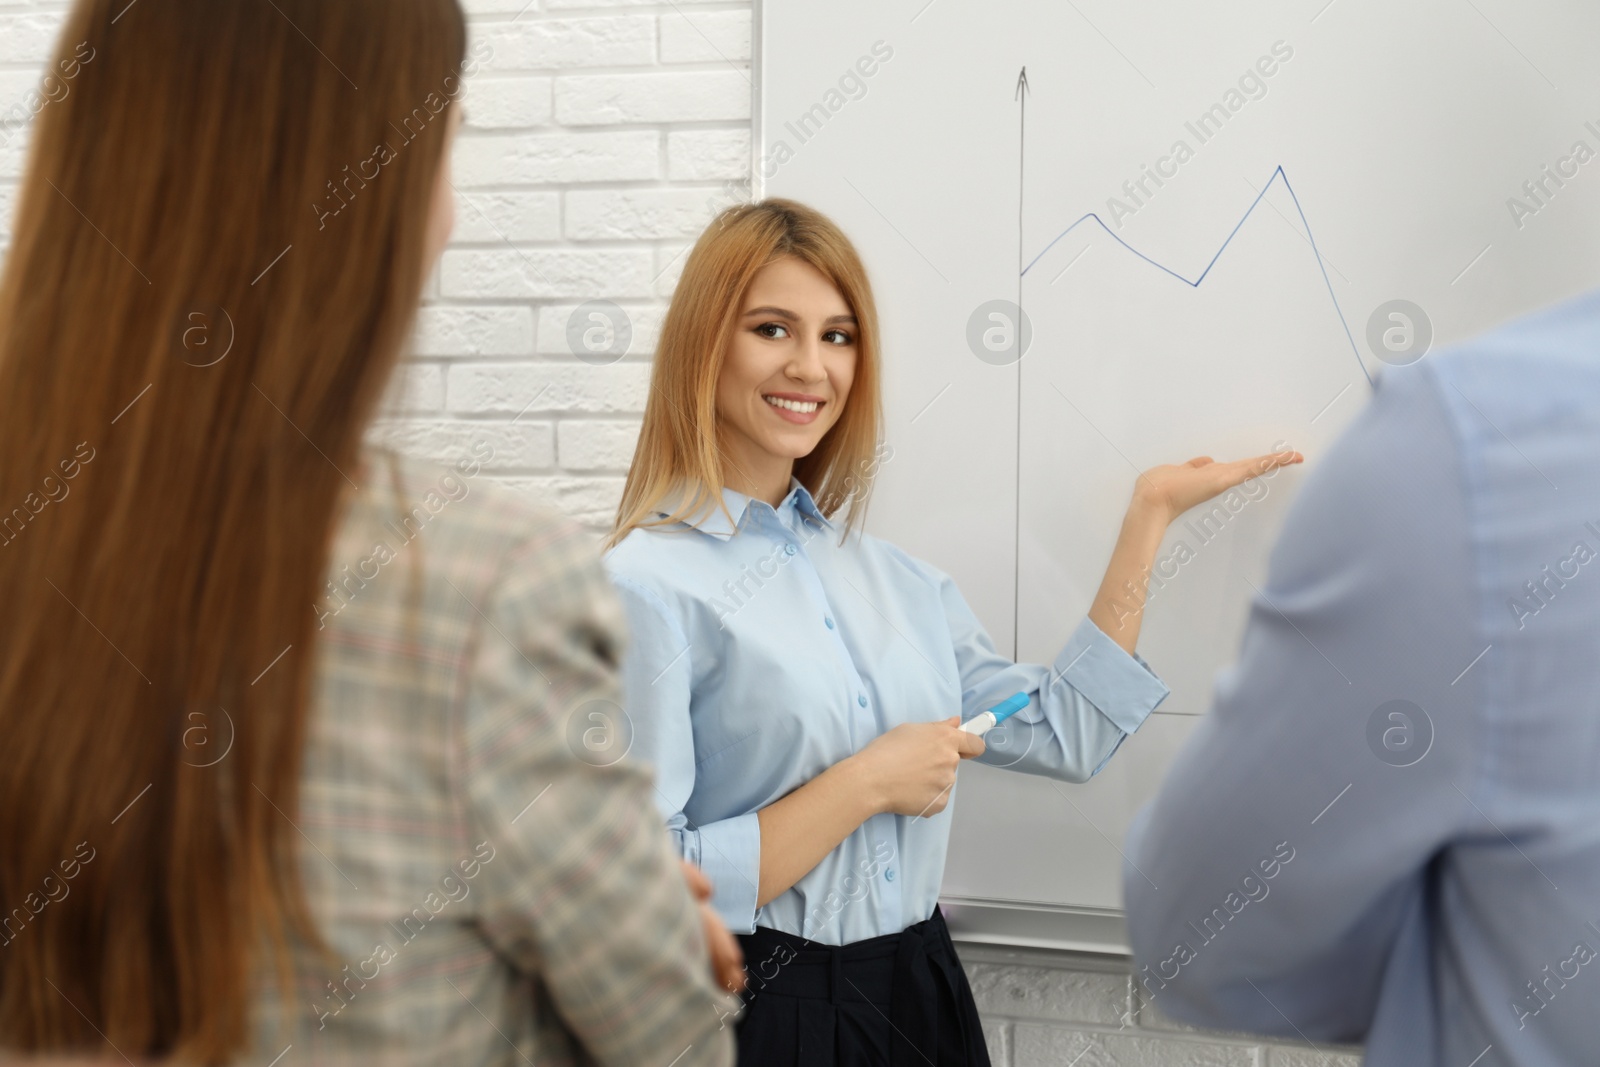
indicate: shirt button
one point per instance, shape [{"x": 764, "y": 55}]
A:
[
  {"x": 861, "y": 698},
  {"x": 790, "y": 549},
  {"x": 889, "y": 874},
  {"x": 829, "y": 621}
]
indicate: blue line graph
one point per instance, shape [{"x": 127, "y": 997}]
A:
[{"x": 1195, "y": 283}]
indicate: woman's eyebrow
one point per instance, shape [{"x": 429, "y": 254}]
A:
[{"x": 784, "y": 313}]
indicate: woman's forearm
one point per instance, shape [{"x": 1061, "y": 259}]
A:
[
  {"x": 803, "y": 826},
  {"x": 1118, "y": 607}
]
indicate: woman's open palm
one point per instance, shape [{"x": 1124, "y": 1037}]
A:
[{"x": 1175, "y": 488}]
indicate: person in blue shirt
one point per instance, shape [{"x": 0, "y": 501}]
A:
[
  {"x": 1387, "y": 828},
  {"x": 799, "y": 684}
]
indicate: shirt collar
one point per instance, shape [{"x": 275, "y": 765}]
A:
[{"x": 711, "y": 520}]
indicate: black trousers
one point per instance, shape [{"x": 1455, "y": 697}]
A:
[{"x": 900, "y": 1000}]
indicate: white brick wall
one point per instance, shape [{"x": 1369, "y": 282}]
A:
[
  {"x": 1052, "y": 1009},
  {"x": 601, "y": 134},
  {"x": 601, "y": 138}
]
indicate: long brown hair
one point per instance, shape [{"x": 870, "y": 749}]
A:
[
  {"x": 679, "y": 442},
  {"x": 214, "y": 269}
]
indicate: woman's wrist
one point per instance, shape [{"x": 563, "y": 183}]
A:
[
  {"x": 1144, "y": 526},
  {"x": 1118, "y": 606},
  {"x": 1145, "y": 514},
  {"x": 859, "y": 784}
]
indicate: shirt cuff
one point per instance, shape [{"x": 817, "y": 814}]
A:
[
  {"x": 1120, "y": 684},
  {"x": 730, "y": 856}
]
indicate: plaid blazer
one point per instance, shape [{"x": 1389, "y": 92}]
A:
[{"x": 478, "y": 850}]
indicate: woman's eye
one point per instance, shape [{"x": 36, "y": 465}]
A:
[
  {"x": 772, "y": 330},
  {"x": 836, "y": 337}
]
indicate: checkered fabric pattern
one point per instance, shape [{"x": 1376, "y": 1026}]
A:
[{"x": 496, "y": 887}]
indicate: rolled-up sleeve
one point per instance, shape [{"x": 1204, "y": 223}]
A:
[
  {"x": 583, "y": 890},
  {"x": 1080, "y": 706},
  {"x": 657, "y": 683},
  {"x": 1120, "y": 684}
]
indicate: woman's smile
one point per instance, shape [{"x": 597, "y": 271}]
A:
[{"x": 794, "y": 407}]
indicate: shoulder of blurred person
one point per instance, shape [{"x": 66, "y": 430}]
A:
[
  {"x": 1543, "y": 361},
  {"x": 1419, "y": 667}
]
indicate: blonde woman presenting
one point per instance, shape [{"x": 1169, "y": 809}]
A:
[{"x": 798, "y": 683}]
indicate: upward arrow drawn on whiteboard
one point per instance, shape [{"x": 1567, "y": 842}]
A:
[
  {"x": 1195, "y": 282},
  {"x": 1022, "y": 145},
  {"x": 1016, "y": 555}
]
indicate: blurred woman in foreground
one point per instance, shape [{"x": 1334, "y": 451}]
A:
[{"x": 283, "y": 771}]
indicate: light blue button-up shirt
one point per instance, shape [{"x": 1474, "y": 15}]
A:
[
  {"x": 1388, "y": 827},
  {"x": 764, "y": 653}
]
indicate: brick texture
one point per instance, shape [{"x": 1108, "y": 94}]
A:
[{"x": 601, "y": 137}]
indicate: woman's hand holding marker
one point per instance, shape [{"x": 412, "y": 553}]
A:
[
  {"x": 985, "y": 721},
  {"x": 910, "y": 769}
]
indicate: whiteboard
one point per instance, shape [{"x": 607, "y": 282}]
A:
[{"x": 1224, "y": 298}]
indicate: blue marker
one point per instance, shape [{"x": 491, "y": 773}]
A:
[{"x": 983, "y": 722}]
